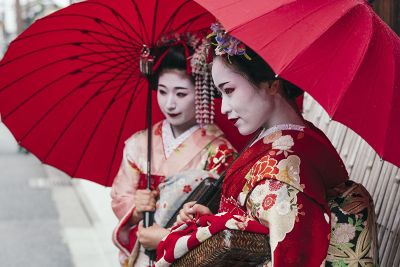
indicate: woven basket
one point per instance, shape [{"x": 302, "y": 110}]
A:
[{"x": 229, "y": 248}]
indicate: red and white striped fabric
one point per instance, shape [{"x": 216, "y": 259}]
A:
[{"x": 188, "y": 236}]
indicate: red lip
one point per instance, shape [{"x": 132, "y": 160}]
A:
[
  {"x": 234, "y": 120},
  {"x": 173, "y": 115}
]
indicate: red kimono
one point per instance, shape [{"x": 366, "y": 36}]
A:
[{"x": 277, "y": 187}]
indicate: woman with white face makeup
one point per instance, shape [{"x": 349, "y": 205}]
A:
[
  {"x": 183, "y": 154},
  {"x": 289, "y": 184}
]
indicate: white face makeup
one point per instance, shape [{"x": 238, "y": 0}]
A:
[
  {"x": 176, "y": 98},
  {"x": 247, "y": 106}
]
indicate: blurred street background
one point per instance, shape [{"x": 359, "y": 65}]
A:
[{"x": 47, "y": 218}]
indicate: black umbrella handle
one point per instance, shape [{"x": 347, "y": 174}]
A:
[{"x": 148, "y": 220}]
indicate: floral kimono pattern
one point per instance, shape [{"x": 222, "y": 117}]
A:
[
  {"x": 205, "y": 153},
  {"x": 353, "y": 237},
  {"x": 279, "y": 183}
]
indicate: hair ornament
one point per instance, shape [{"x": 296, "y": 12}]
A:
[
  {"x": 204, "y": 86},
  {"x": 225, "y": 43}
]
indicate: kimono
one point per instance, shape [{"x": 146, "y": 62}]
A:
[
  {"x": 178, "y": 166},
  {"x": 279, "y": 187}
]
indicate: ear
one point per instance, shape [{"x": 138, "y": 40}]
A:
[{"x": 271, "y": 87}]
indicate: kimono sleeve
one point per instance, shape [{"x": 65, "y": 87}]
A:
[
  {"x": 275, "y": 196},
  {"x": 125, "y": 183},
  {"x": 221, "y": 155}
]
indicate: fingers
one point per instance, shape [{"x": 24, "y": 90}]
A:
[
  {"x": 145, "y": 200},
  {"x": 197, "y": 208},
  {"x": 186, "y": 213}
]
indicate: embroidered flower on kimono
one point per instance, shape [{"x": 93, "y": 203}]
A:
[
  {"x": 269, "y": 201},
  {"x": 289, "y": 171},
  {"x": 256, "y": 198},
  {"x": 221, "y": 159},
  {"x": 272, "y": 137},
  {"x": 283, "y": 207},
  {"x": 275, "y": 185},
  {"x": 283, "y": 144},
  {"x": 266, "y": 167},
  {"x": 187, "y": 189},
  {"x": 343, "y": 233}
]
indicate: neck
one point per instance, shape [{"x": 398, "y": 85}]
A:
[
  {"x": 286, "y": 113},
  {"x": 177, "y": 130}
]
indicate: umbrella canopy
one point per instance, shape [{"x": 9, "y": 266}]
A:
[
  {"x": 339, "y": 51},
  {"x": 70, "y": 87}
]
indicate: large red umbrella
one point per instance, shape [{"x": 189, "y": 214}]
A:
[
  {"x": 70, "y": 87},
  {"x": 339, "y": 51}
]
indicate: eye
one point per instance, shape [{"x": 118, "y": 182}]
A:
[
  {"x": 181, "y": 95},
  {"x": 162, "y": 92},
  {"x": 229, "y": 90}
]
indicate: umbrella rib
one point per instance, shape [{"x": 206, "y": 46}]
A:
[
  {"x": 84, "y": 31},
  {"x": 98, "y": 21},
  {"x": 121, "y": 128},
  {"x": 356, "y": 67},
  {"x": 98, "y": 124},
  {"x": 68, "y": 125},
  {"x": 153, "y": 33},
  {"x": 119, "y": 21},
  {"x": 188, "y": 23},
  {"x": 115, "y": 87},
  {"x": 121, "y": 95},
  {"x": 50, "y": 64},
  {"x": 105, "y": 64},
  {"x": 115, "y": 13},
  {"x": 41, "y": 89},
  {"x": 173, "y": 16},
  {"x": 117, "y": 52},
  {"x": 2, "y": 64},
  {"x": 141, "y": 20},
  {"x": 292, "y": 25},
  {"x": 121, "y": 54}
]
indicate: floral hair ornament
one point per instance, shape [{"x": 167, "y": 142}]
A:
[
  {"x": 198, "y": 67},
  {"x": 186, "y": 40},
  {"x": 203, "y": 84},
  {"x": 225, "y": 43}
]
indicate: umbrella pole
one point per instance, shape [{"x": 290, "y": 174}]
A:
[
  {"x": 146, "y": 64},
  {"x": 148, "y": 219}
]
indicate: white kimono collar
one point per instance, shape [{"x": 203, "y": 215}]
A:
[
  {"x": 171, "y": 143},
  {"x": 276, "y": 128}
]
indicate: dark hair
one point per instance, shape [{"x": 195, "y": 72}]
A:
[
  {"x": 174, "y": 59},
  {"x": 257, "y": 71}
]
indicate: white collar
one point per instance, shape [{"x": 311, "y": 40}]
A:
[
  {"x": 170, "y": 142},
  {"x": 276, "y": 128}
]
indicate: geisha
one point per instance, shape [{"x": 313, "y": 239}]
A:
[
  {"x": 289, "y": 184},
  {"x": 183, "y": 154}
]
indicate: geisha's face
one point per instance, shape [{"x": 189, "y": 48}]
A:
[
  {"x": 246, "y": 105},
  {"x": 176, "y": 98}
]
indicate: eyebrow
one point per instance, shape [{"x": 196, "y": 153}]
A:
[
  {"x": 176, "y": 88},
  {"x": 221, "y": 85}
]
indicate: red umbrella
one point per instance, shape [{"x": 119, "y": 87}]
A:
[
  {"x": 70, "y": 87},
  {"x": 339, "y": 51}
]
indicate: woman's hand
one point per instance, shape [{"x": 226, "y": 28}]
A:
[
  {"x": 151, "y": 236},
  {"x": 189, "y": 210},
  {"x": 145, "y": 200}
]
